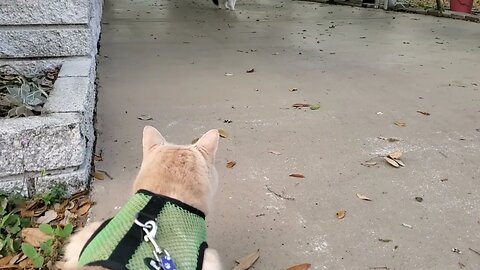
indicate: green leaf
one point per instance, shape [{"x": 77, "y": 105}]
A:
[
  {"x": 3, "y": 205},
  {"x": 38, "y": 261},
  {"x": 46, "y": 229},
  {"x": 46, "y": 247},
  {"x": 29, "y": 251},
  {"x": 314, "y": 107},
  {"x": 67, "y": 231}
]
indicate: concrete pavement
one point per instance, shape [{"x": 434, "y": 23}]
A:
[{"x": 366, "y": 68}]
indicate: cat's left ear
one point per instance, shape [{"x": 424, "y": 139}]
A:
[
  {"x": 151, "y": 137},
  {"x": 209, "y": 143}
]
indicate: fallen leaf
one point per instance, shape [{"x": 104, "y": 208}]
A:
[
  {"x": 363, "y": 197},
  {"x": 247, "y": 261},
  {"x": 6, "y": 260},
  {"x": 341, "y": 214},
  {"x": 145, "y": 117},
  {"x": 385, "y": 240},
  {"x": 194, "y": 141},
  {"x": 300, "y": 105},
  {"x": 400, "y": 162},
  {"x": 34, "y": 236},
  {"x": 251, "y": 70},
  {"x": 98, "y": 175},
  {"x": 222, "y": 133},
  {"x": 297, "y": 175},
  {"x": 83, "y": 209},
  {"x": 369, "y": 163},
  {"x": 294, "y": 89},
  {"x": 48, "y": 217},
  {"x": 392, "y": 162},
  {"x": 424, "y": 113},
  {"x": 419, "y": 199},
  {"x": 97, "y": 157},
  {"x": 407, "y": 225},
  {"x": 15, "y": 259},
  {"x": 230, "y": 164},
  {"x": 303, "y": 266},
  {"x": 275, "y": 152},
  {"x": 400, "y": 123},
  {"x": 314, "y": 107},
  {"x": 228, "y": 74},
  {"x": 395, "y": 155}
]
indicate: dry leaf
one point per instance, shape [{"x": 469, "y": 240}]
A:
[
  {"x": 395, "y": 155},
  {"x": 297, "y": 175},
  {"x": 400, "y": 123},
  {"x": 34, "y": 236},
  {"x": 83, "y": 209},
  {"x": 194, "y": 141},
  {"x": 222, "y": 133},
  {"x": 363, "y": 197},
  {"x": 97, "y": 157},
  {"x": 228, "y": 74},
  {"x": 424, "y": 113},
  {"x": 145, "y": 117},
  {"x": 15, "y": 259},
  {"x": 274, "y": 152},
  {"x": 301, "y": 105},
  {"x": 303, "y": 266},
  {"x": 48, "y": 217},
  {"x": 251, "y": 70},
  {"x": 400, "y": 162},
  {"x": 392, "y": 162},
  {"x": 341, "y": 214},
  {"x": 68, "y": 217},
  {"x": 6, "y": 260},
  {"x": 247, "y": 261},
  {"x": 294, "y": 89},
  {"x": 98, "y": 175},
  {"x": 369, "y": 163},
  {"x": 230, "y": 164},
  {"x": 407, "y": 225}
]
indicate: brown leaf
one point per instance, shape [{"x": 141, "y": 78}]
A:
[
  {"x": 98, "y": 175},
  {"x": 395, "y": 155},
  {"x": 400, "y": 123},
  {"x": 424, "y": 113},
  {"x": 274, "y": 152},
  {"x": 5, "y": 260},
  {"x": 400, "y": 162},
  {"x": 369, "y": 163},
  {"x": 392, "y": 162},
  {"x": 294, "y": 89},
  {"x": 34, "y": 236},
  {"x": 341, "y": 214},
  {"x": 83, "y": 209},
  {"x": 222, "y": 133},
  {"x": 15, "y": 259},
  {"x": 97, "y": 157},
  {"x": 251, "y": 70},
  {"x": 301, "y": 105},
  {"x": 230, "y": 164},
  {"x": 303, "y": 266},
  {"x": 48, "y": 217},
  {"x": 247, "y": 261},
  {"x": 297, "y": 175},
  {"x": 144, "y": 117},
  {"x": 363, "y": 197}
]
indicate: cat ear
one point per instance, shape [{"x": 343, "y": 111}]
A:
[
  {"x": 209, "y": 143},
  {"x": 151, "y": 137}
]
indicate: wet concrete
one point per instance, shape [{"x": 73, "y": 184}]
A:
[{"x": 366, "y": 68}]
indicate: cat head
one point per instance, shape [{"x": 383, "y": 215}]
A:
[{"x": 184, "y": 172}]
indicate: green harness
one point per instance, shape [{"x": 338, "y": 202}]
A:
[{"x": 121, "y": 244}]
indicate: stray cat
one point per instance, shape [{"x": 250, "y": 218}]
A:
[
  {"x": 185, "y": 176},
  {"x": 229, "y": 4}
]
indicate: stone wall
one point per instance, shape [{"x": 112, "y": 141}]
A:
[{"x": 56, "y": 147}]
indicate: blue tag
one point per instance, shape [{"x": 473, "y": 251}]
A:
[{"x": 167, "y": 263}]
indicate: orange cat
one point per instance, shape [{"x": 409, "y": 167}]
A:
[{"x": 183, "y": 173}]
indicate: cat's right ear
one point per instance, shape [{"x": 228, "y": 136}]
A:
[
  {"x": 209, "y": 143},
  {"x": 151, "y": 137}
]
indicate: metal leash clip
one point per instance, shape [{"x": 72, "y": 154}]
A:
[{"x": 162, "y": 260}]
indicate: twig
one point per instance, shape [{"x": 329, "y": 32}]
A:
[
  {"x": 378, "y": 267},
  {"x": 441, "y": 153},
  {"x": 280, "y": 195},
  {"x": 478, "y": 253}
]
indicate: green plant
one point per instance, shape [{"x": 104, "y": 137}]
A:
[
  {"x": 55, "y": 195},
  {"x": 49, "y": 248},
  {"x": 24, "y": 99},
  {"x": 11, "y": 225}
]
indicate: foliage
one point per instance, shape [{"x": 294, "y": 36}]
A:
[
  {"x": 11, "y": 225},
  {"x": 22, "y": 94},
  {"x": 55, "y": 195}
]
